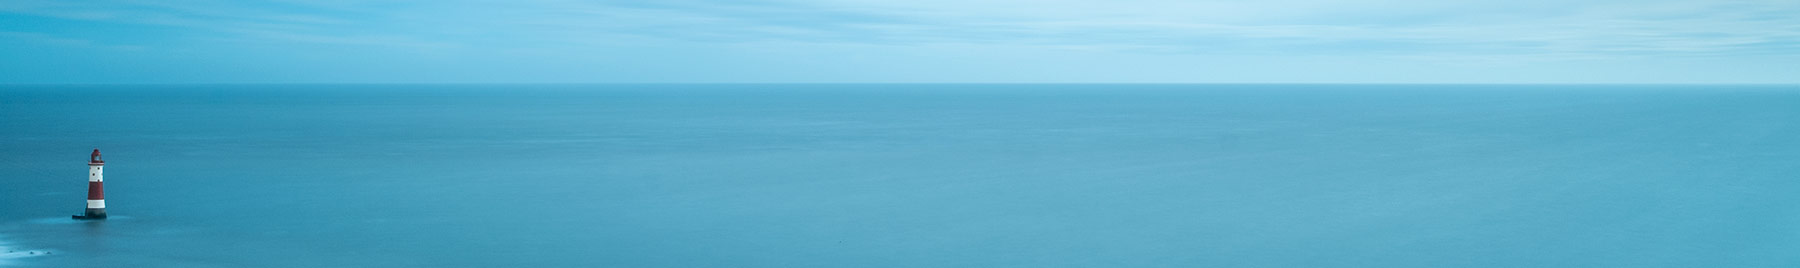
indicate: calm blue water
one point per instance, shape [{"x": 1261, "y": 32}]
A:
[{"x": 905, "y": 176}]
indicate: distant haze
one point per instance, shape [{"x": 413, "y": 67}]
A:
[{"x": 929, "y": 41}]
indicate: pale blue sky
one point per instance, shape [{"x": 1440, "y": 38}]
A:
[{"x": 1047, "y": 41}]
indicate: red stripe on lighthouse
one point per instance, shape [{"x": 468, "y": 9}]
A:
[{"x": 96, "y": 191}]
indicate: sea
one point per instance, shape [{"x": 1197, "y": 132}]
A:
[{"x": 903, "y": 175}]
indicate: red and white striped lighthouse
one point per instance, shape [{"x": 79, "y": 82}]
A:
[{"x": 96, "y": 201}]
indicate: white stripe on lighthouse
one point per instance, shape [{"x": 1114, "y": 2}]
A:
[
  {"x": 95, "y": 173},
  {"x": 96, "y": 204}
]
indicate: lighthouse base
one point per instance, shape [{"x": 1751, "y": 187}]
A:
[{"x": 92, "y": 214}]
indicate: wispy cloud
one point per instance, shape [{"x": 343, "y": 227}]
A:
[
  {"x": 223, "y": 20},
  {"x": 1666, "y": 28},
  {"x": 1606, "y": 29},
  {"x": 740, "y": 39},
  {"x": 64, "y": 41},
  {"x": 1716, "y": 28}
]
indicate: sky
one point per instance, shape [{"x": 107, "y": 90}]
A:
[{"x": 885, "y": 41}]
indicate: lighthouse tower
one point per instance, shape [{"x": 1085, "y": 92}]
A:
[{"x": 96, "y": 201}]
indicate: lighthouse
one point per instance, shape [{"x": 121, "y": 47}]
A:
[{"x": 96, "y": 200}]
